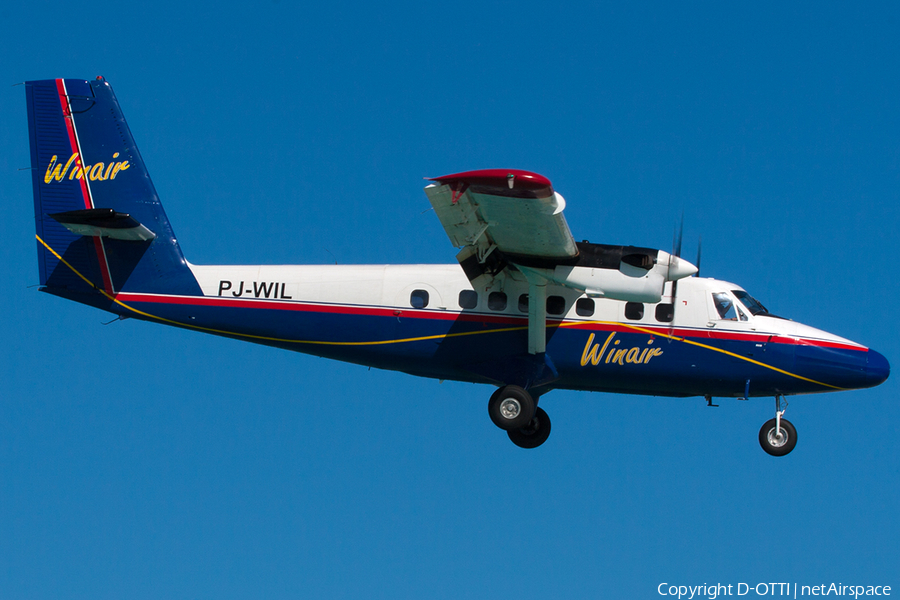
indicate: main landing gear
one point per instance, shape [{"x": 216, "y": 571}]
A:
[
  {"x": 514, "y": 410},
  {"x": 778, "y": 436}
]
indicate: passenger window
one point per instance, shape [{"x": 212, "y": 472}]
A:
[
  {"x": 584, "y": 307},
  {"x": 665, "y": 313},
  {"x": 725, "y": 306},
  {"x": 556, "y": 305},
  {"x": 497, "y": 301},
  {"x": 634, "y": 311},
  {"x": 523, "y": 303},
  {"x": 468, "y": 299},
  {"x": 418, "y": 299}
]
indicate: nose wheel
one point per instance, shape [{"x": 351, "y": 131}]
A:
[
  {"x": 515, "y": 411},
  {"x": 778, "y": 436}
]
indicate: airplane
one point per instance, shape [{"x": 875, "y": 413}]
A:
[{"x": 527, "y": 309}]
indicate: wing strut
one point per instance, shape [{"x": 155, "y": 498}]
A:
[{"x": 537, "y": 312}]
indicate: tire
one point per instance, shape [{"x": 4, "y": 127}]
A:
[
  {"x": 511, "y": 407},
  {"x": 777, "y": 447},
  {"x": 534, "y": 434}
]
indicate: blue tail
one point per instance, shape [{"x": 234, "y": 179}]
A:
[{"x": 101, "y": 228}]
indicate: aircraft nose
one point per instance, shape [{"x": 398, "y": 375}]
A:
[{"x": 877, "y": 369}]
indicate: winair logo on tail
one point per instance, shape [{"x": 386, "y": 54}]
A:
[
  {"x": 57, "y": 171},
  {"x": 609, "y": 352}
]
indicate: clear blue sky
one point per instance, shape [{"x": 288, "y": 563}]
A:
[{"x": 138, "y": 461}]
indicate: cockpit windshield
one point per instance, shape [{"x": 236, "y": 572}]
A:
[{"x": 753, "y": 305}]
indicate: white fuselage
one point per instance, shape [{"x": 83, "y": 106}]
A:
[{"x": 393, "y": 286}]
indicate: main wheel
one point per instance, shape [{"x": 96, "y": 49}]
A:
[
  {"x": 511, "y": 407},
  {"x": 777, "y": 444},
  {"x": 535, "y": 433}
]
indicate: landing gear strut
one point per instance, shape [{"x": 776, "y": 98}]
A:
[
  {"x": 515, "y": 411},
  {"x": 778, "y": 436}
]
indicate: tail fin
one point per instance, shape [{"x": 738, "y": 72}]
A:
[{"x": 100, "y": 225}]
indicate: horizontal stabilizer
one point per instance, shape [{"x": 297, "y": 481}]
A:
[{"x": 103, "y": 222}]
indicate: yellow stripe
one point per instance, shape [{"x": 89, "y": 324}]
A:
[
  {"x": 700, "y": 345},
  {"x": 428, "y": 337},
  {"x": 261, "y": 337}
]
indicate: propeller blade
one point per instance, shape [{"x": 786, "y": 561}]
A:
[
  {"x": 674, "y": 304},
  {"x": 677, "y": 236},
  {"x": 699, "y": 248},
  {"x": 678, "y": 268}
]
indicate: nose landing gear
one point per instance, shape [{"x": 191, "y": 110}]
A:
[
  {"x": 514, "y": 410},
  {"x": 778, "y": 436}
]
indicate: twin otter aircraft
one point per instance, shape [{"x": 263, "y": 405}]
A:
[{"x": 527, "y": 309}]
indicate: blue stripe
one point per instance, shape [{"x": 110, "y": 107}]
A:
[{"x": 461, "y": 350}]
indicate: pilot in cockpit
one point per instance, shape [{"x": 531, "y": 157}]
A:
[{"x": 725, "y": 306}]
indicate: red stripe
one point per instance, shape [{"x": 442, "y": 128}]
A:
[
  {"x": 73, "y": 141},
  {"x": 515, "y": 321},
  {"x": 315, "y": 308},
  {"x": 736, "y": 336},
  {"x": 104, "y": 267},
  {"x": 85, "y": 192}
]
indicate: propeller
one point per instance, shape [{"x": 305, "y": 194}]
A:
[
  {"x": 679, "y": 268},
  {"x": 677, "y": 237}
]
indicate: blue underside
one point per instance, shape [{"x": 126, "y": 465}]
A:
[{"x": 485, "y": 352}]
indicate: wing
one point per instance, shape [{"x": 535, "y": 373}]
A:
[
  {"x": 499, "y": 216},
  {"x": 514, "y": 211},
  {"x": 503, "y": 217}
]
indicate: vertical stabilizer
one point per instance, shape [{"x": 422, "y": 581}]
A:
[{"x": 99, "y": 222}]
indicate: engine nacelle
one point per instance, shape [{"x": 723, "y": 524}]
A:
[
  {"x": 635, "y": 280},
  {"x": 626, "y": 273}
]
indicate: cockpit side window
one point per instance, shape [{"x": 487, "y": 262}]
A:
[{"x": 725, "y": 306}]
